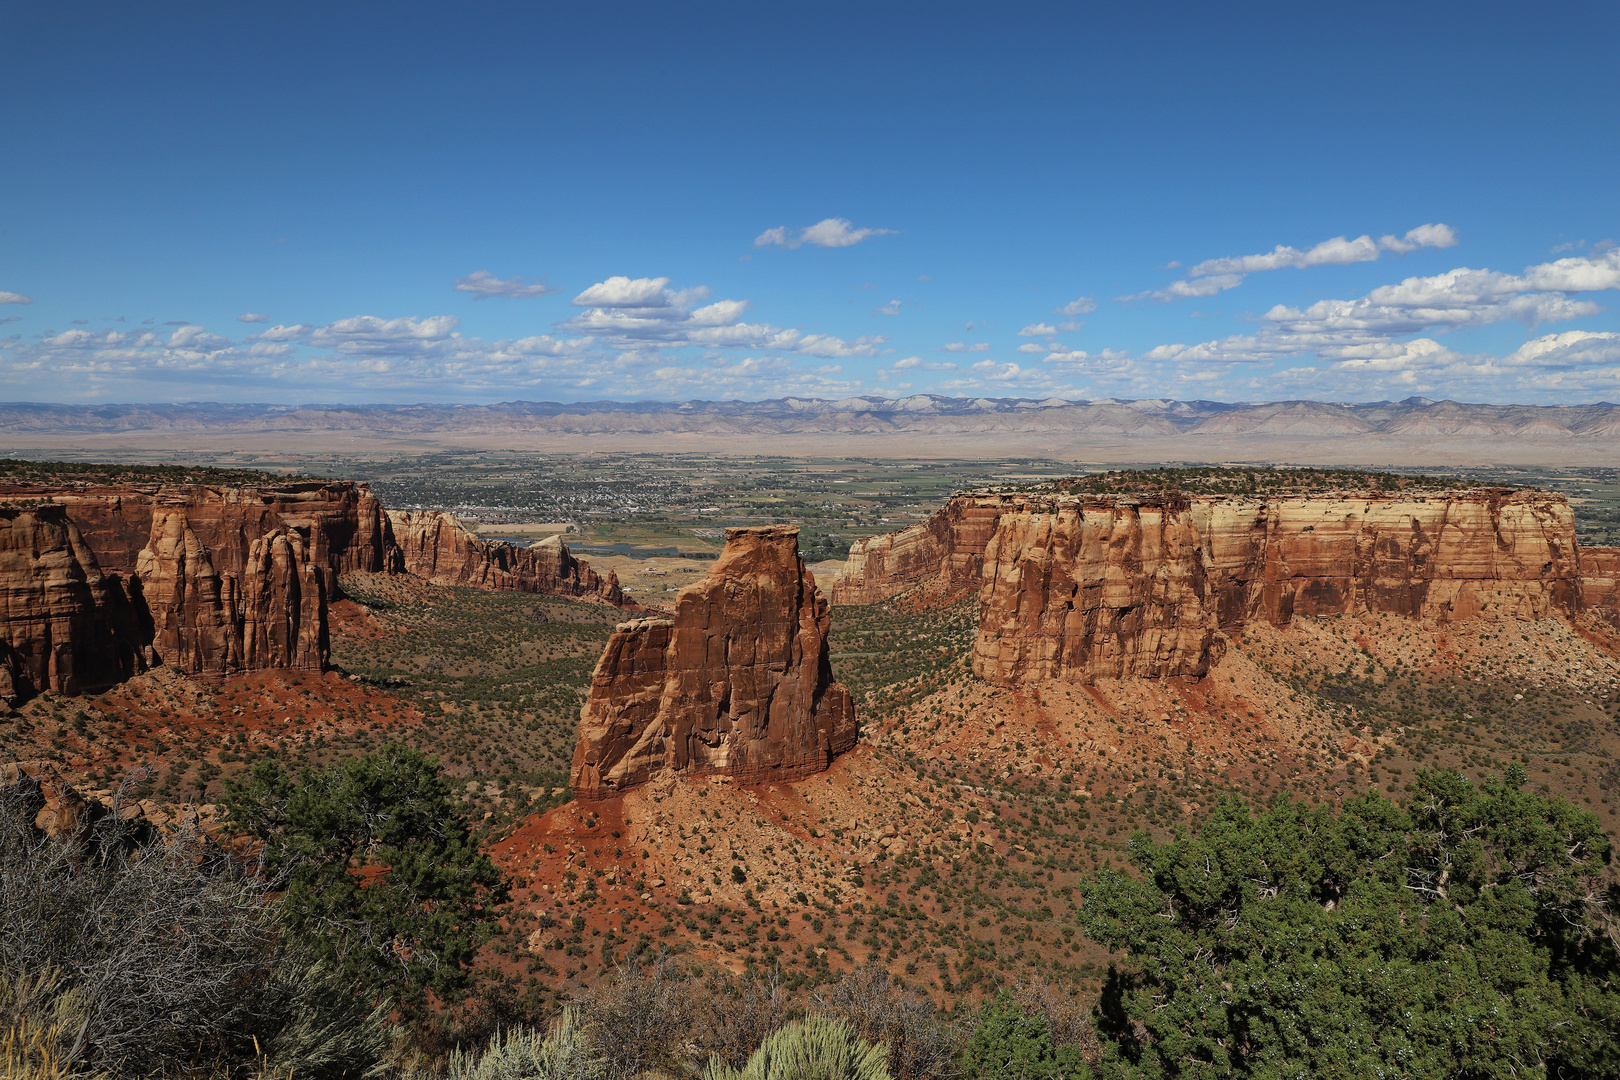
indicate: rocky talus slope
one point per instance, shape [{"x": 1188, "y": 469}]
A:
[
  {"x": 98, "y": 582},
  {"x": 737, "y": 682},
  {"x": 1112, "y": 586},
  {"x": 438, "y": 547}
]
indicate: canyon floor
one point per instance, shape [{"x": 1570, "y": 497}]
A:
[{"x": 946, "y": 847}]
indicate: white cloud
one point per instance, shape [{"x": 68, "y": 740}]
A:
[
  {"x": 639, "y": 313},
  {"x": 1571, "y": 349},
  {"x": 282, "y": 333},
  {"x": 1184, "y": 290},
  {"x": 826, "y": 233},
  {"x": 1071, "y": 325},
  {"x": 366, "y": 335},
  {"x": 962, "y": 346},
  {"x": 917, "y": 363},
  {"x": 1432, "y": 236},
  {"x": 1335, "y": 252},
  {"x": 483, "y": 284},
  {"x": 197, "y": 339},
  {"x": 1217, "y": 275},
  {"x": 891, "y": 308},
  {"x": 1085, "y": 305},
  {"x": 1032, "y": 348},
  {"x": 1038, "y": 329},
  {"x": 252, "y": 316},
  {"x": 13, "y": 298}
]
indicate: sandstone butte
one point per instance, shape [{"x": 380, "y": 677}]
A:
[
  {"x": 98, "y": 583},
  {"x": 737, "y": 682},
  {"x": 1094, "y": 587}
]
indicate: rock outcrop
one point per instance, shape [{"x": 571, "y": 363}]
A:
[
  {"x": 1088, "y": 587},
  {"x": 1600, "y": 582},
  {"x": 438, "y": 547},
  {"x": 737, "y": 682},
  {"x": 1093, "y": 592},
  {"x": 64, "y": 624},
  {"x": 99, "y": 581},
  {"x": 950, "y": 544}
]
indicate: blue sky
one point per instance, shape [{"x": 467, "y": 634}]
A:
[{"x": 407, "y": 202}]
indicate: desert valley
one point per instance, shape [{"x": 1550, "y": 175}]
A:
[{"x": 907, "y": 757}]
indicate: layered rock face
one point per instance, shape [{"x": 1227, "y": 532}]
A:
[
  {"x": 1089, "y": 587},
  {"x": 1089, "y": 592},
  {"x": 1600, "y": 582},
  {"x": 737, "y": 682},
  {"x": 64, "y": 624},
  {"x": 439, "y": 547},
  {"x": 98, "y": 581},
  {"x": 950, "y": 544}
]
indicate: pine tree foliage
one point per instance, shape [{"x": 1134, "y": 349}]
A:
[
  {"x": 1010, "y": 1043},
  {"x": 384, "y": 882},
  {"x": 1466, "y": 934}
]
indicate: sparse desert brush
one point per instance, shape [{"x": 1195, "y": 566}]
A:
[{"x": 815, "y": 1048}]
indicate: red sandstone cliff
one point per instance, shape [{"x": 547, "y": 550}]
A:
[
  {"x": 64, "y": 624},
  {"x": 737, "y": 682},
  {"x": 951, "y": 544},
  {"x": 101, "y": 580},
  {"x": 439, "y": 547},
  {"x": 1088, "y": 587}
]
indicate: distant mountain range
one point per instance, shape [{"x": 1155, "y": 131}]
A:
[{"x": 922, "y": 424}]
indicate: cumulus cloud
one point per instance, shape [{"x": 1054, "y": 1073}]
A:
[
  {"x": 962, "y": 346},
  {"x": 483, "y": 285},
  {"x": 1084, "y": 305},
  {"x": 646, "y": 313},
  {"x": 1184, "y": 290},
  {"x": 13, "y": 298},
  {"x": 366, "y": 335},
  {"x": 1038, "y": 329},
  {"x": 827, "y": 233},
  {"x": 917, "y": 363},
  {"x": 252, "y": 317},
  {"x": 1431, "y": 236},
  {"x": 279, "y": 332},
  {"x": 891, "y": 308},
  {"x": 1571, "y": 349},
  {"x": 1217, "y": 275}
]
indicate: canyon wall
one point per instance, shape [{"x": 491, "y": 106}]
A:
[
  {"x": 1089, "y": 587},
  {"x": 64, "y": 624},
  {"x": 1600, "y": 582},
  {"x": 737, "y": 682},
  {"x": 438, "y": 547},
  {"x": 98, "y": 581},
  {"x": 949, "y": 545}
]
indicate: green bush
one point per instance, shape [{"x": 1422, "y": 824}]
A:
[
  {"x": 1465, "y": 934},
  {"x": 1011, "y": 1044},
  {"x": 383, "y": 881},
  {"x": 815, "y": 1048}
]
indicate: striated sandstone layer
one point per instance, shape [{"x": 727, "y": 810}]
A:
[
  {"x": 438, "y": 547},
  {"x": 1600, "y": 582},
  {"x": 1088, "y": 592},
  {"x": 738, "y": 682},
  {"x": 951, "y": 544},
  {"x": 64, "y": 624},
  {"x": 1093, "y": 587},
  {"x": 101, "y": 580}
]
